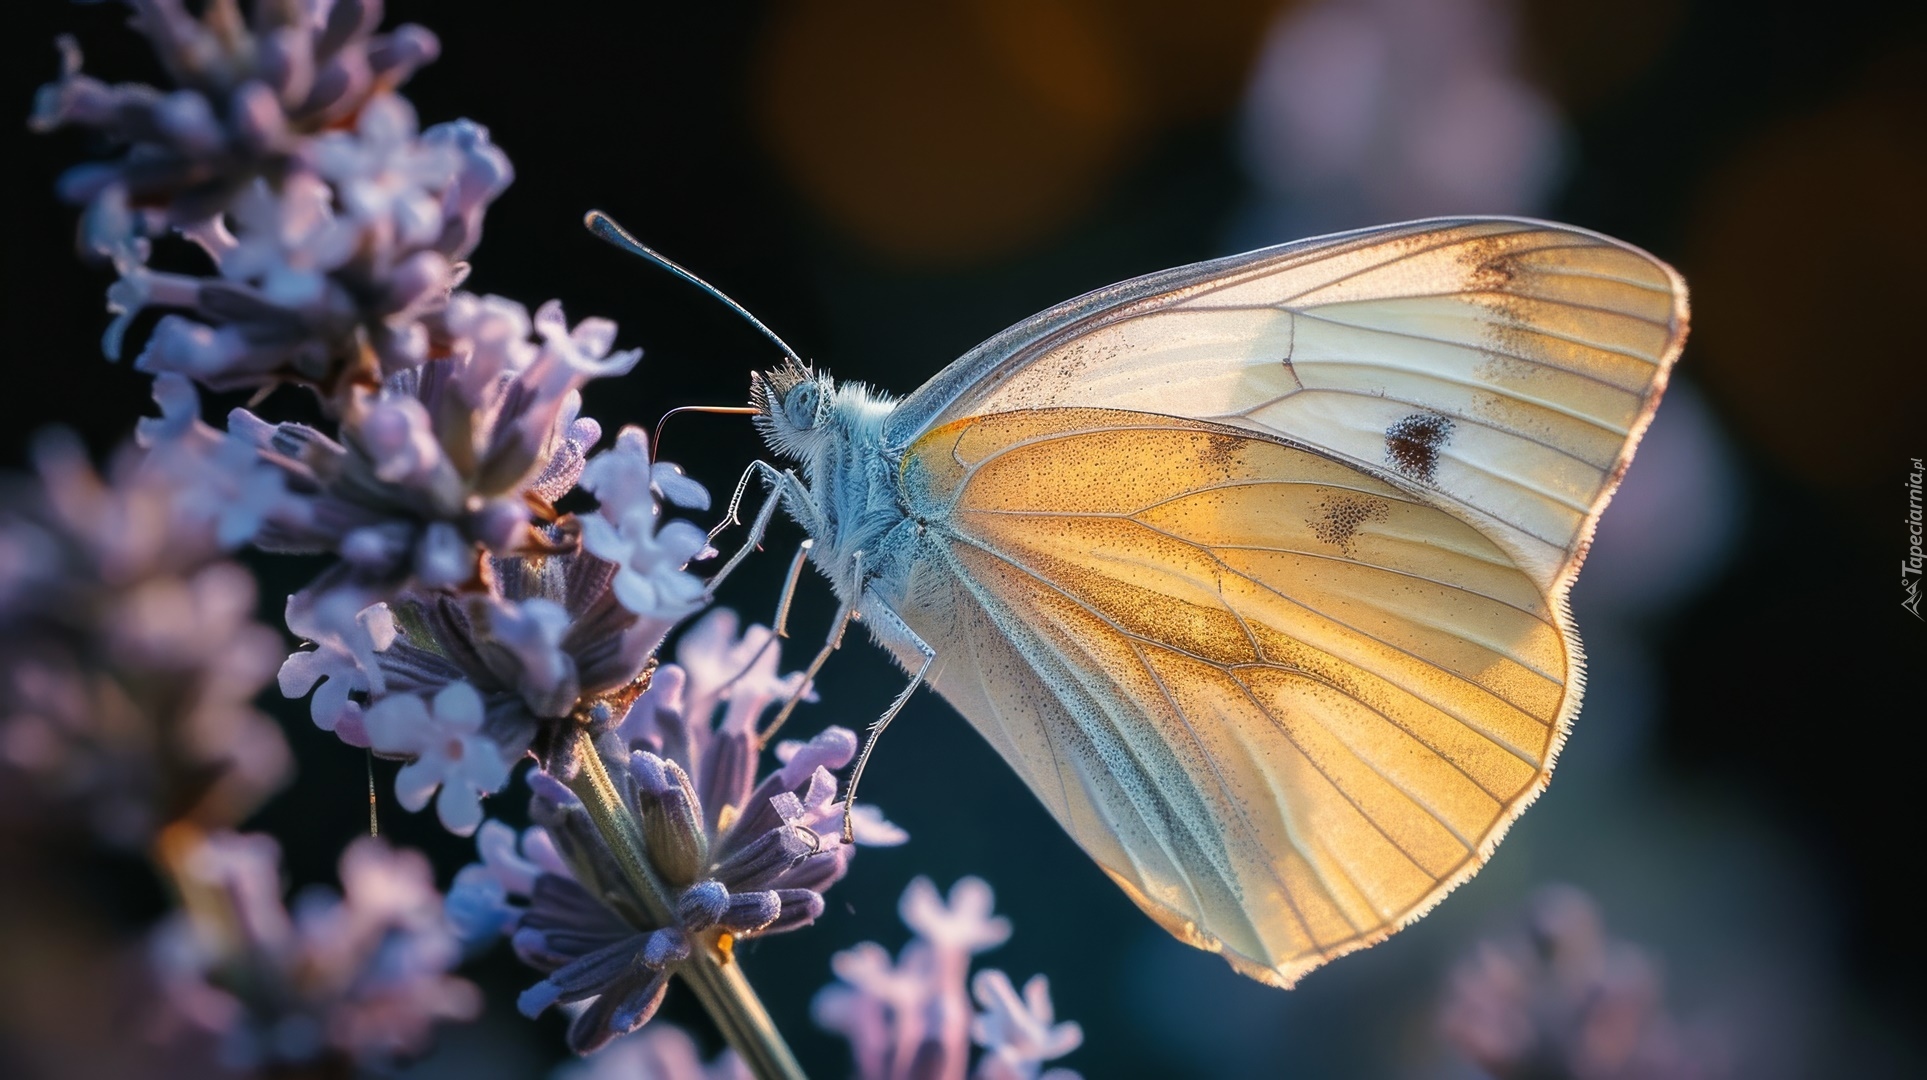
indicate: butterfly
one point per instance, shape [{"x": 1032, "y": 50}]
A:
[{"x": 1256, "y": 570}]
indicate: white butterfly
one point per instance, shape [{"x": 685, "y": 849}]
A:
[{"x": 1256, "y": 570}]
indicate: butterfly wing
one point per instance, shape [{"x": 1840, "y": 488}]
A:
[
  {"x": 1286, "y": 705},
  {"x": 1255, "y": 571},
  {"x": 1505, "y": 368}
]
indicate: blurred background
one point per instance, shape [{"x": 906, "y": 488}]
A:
[{"x": 888, "y": 183}]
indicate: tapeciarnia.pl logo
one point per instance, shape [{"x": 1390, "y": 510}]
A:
[{"x": 1911, "y": 565}]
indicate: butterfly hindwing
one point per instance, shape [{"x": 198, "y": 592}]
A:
[{"x": 1285, "y": 703}]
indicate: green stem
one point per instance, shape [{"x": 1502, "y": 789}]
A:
[{"x": 712, "y": 973}]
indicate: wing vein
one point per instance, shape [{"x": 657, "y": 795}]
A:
[
  {"x": 1475, "y": 384},
  {"x": 1092, "y": 797},
  {"x": 1312, "y": 313},
  {"x": 1244, "y": 819},
  {"x": 1467, "y": 294}
]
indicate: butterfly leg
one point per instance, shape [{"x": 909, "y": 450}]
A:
[
  {"x": 736, "y": 499},
  {"x": 781, "y": 484},
  {"x": 781, "y": 624},
  {"x": 845, "y": 612},
  {"x": 889, "y": 618}
]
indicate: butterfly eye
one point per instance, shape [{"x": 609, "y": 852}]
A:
[{"x": 800, "y": 405}]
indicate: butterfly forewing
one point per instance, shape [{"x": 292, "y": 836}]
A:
[{"x": 1503, "y": 368}]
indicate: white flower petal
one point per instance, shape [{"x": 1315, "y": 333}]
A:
[
  {"x": 414, "y": 783},
  {"x": 459, "y": 808},
  {"x": 398, "y": 724},
  {"x": 459, "y": 706}
]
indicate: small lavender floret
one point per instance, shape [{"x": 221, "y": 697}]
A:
[
  {"x": 740, "y": 858},
  {"x": 1019, "y": 1033},
  {"x": 912, "y": 1017},
  {"x": 478, "y": 902},
  {"x": 628, "y": 530},
  {"x": 129, "y": 657},
  {"x": 346, "y": 635},
  {"x": 443, "y": 743},
  {"x": 358, "y": 977}
]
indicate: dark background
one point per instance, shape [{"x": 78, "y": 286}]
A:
[{"x": 887, "y": 186}]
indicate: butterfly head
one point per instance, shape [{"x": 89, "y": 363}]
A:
[{"x": 792, "y": 403}]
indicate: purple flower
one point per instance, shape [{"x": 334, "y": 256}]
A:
[
  {"x": 1019, "y": 1033},
  {"x": 460, "y": 456},
  {"x": 478, "y": 902},
  {"x": 221, "y": 485},
  {"x": 550, "y": 651},
  {"x": 740, "y": 858},
  {"x": 331, "y": 241},
  {"x": 248, "y": 93},
  {"x": 128, "y": 652},
  {"x": 1556, "y": 998},
  {"x": 549, "y": 645},
  {"x": 334, "y": 226},
  {"x": 962, "y": 927},
  {"x": 385, "y": 175},
  {"x": 912, "y": 1018},
  {"x": 346, "y": 636},
  {"x": 445, "y": 748},
  {"x": 597, "y": 941},
  {"x": 357, "y": 977},
  {"x": 627, "y": 530}
]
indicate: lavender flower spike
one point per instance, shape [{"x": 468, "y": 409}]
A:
[
  {"x": 464, "y": 455},
  {"x": 359, "y": 978},
  {"x": 550, "y": 649},
  {"x": 128, "y": 653},
  {"x": 740, "y": 858},
  {"x": 1556, "y": 998},
  {"x": 284, "y": 153}
]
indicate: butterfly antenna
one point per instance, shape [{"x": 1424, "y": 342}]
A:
[{"x": 605, "y": 227}]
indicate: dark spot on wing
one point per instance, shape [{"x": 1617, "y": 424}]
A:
[
  {"x": 1218, "y": 450},
  {"x": 1340, "y": 517},
  {"x": 1413, "y": 444},
  {"x": 1499, "y": 280},
  {"x": 1490, "y": 264}
]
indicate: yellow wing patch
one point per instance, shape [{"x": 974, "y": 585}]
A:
[{"x": 1286, "y": 703}]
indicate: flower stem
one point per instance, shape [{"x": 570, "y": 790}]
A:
[{"x": 715, "y": 976}]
